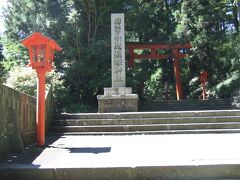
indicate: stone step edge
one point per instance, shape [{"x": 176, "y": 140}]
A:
[
  {"x": 236, "y": 112},
  {"x": 168, "y": 127},
  {"x": 148, "y": 125},
  {"x": 195, "y": 131},
  {"x": 183, "y": 171},
  {"x": 180, "y": 117},
  {"x": 149, "y": 119}
]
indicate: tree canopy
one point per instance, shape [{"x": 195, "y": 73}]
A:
[{"x": 82, "y": 28}]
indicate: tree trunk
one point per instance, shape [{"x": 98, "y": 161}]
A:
[{"x": 236, "y": 11}]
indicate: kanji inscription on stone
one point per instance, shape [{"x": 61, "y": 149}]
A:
[{"x": 118, "y": 50}]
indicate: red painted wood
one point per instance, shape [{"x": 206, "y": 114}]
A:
[
  {"x": 153, "y": 48},
  {"x": 203, "y": 80},
  {"x": 148, "y": 46},
  {"x": 177, "y": 73},
  {"x": 151, "y": 56},
  {"x": 40, "y": 114},
  {"x": 41, "y": 51},
  {"x": 204, "y": 94},
  {"x": 39, "y": 40}
]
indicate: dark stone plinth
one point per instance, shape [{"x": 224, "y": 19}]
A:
[
  {"x": 118, "y": 103},
  {"x": 117, "y": 99}
]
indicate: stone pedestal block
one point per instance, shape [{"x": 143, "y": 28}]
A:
[
  {"x": 117, "y": 91},
  {"x": 117, "y": 100}
]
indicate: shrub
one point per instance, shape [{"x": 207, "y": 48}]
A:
[{"x": 24, "y": 79}]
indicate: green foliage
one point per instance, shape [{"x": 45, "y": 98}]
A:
[
  {"x": 60, "y": 91},
  {"x": 1, "y": 58},
  {"x": 226, "y": 88},
  {"x": 79, "y": 108},
  {"x": 22, "y": 79},
  {"x": 206, "y": 25},
  {"x": 152, "y": 21},
  {"x": 195, "y": 88},
  {"x": 139, "y": 75},
  {"x": 82, "y": 28},
  {"x": 154, "y": 85},
  {"x": 1, "y": 50},
  {"x": 14, "y": 55}
]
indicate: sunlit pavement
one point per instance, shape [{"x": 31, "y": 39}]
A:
[{"x": 132, "y": 151}]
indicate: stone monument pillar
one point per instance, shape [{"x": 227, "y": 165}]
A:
[{"x": 118, "y": 98}]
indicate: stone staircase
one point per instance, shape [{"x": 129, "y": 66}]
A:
[
  {"x": 77, "y": 147},
  {"x": 183, "y": 105},
  {"x": 166, "y": 122}
]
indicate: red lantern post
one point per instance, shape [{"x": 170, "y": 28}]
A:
[
  {"x": 203, "y": 80},
  {"x": 41, "y": 51}
]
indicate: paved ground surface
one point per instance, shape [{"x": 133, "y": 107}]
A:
[{"x": 130, "y": 151}]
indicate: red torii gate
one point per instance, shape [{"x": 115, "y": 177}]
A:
[{"x": 176, "y": 52}]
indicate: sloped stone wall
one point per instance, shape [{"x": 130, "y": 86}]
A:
[
  {"x": 236, "y": 99},
  {"x": 18, "y": 119},
  {"x": 50, "y": 108}
]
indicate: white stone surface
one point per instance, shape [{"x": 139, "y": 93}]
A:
[
  {"x": 117, "y": 90},
  {"x": 138, "y": 151},
  {"x": 118, "y": 50},
  {"x": 143, "y": 150},
  {"x": 118, "y": 96}
]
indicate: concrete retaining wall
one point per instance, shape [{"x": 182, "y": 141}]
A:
[
  {"x": 18, "y": 119},
  {"x": 236, "y": 99}
]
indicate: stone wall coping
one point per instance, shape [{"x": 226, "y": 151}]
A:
[{"x": 118, "y": 96}]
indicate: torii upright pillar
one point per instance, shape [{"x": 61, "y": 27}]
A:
[
  {"x": 177, "y": 73},
  {"x": 177, "y": 52}
]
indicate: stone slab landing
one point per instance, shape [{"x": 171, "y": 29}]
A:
[{"x": 192, "y": 156}]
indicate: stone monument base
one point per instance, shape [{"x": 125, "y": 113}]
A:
[{"x": 117, "y": 99}]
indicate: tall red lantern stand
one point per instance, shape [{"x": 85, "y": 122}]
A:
[
  {"x": 41, "y": 53},
  {"x": 203, "y": 80}
]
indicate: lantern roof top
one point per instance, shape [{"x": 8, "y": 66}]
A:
[{"x": 39, "y": 38}]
